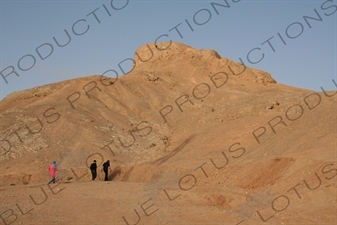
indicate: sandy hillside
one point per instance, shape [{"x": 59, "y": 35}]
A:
[{"x": 193, "y": 138}]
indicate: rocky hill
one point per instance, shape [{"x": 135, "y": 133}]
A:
[{"x": 193, "y": 138}]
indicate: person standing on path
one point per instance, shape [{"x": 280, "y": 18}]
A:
[
  {"x": 106, "y": 166},
  {"x": 52, "y": 168},
  {"x": 93, "y": 168}
]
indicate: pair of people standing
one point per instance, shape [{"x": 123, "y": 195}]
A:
[{"x": 93, "y": 168}]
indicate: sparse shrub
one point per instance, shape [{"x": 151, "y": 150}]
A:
[
  {"x": 213, "y": 109},
  {"x": 12, "y": 184},
  {"x": 25, "y": 182},
  {"x": 69, "y": 178},
  {"x": 152, "y": 145}
]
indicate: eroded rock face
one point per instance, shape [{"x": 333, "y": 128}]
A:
[{"x": 176, "y": 55}]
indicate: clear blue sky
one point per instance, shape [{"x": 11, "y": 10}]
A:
[{"x": 307, "y": 60}]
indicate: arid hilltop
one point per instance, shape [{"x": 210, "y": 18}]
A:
[{"x": 193, "y": 138}]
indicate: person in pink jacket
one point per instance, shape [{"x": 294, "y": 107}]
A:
[{"x": 52, "y": 168}]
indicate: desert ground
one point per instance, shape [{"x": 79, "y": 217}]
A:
[{"x": 192, "y": 138}]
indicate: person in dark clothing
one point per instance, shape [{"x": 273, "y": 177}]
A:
[
  {"x": 106, "y": 166},
  {"x": 93, "y": 168}
]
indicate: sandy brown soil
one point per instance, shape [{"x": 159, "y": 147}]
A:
[{"x": 193, "y": 138}]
